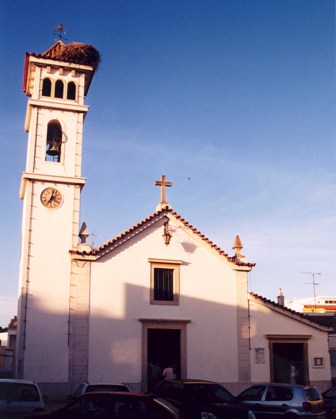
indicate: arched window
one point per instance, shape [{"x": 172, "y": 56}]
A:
[
  {"x": 46, "y": 87},
  {"x": 71, "y": 94},
  {"x": 54, "y": 142},
  {"x": 59, "y": 88}
]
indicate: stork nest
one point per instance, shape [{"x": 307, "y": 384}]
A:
[{"x": 77, "y": 53}]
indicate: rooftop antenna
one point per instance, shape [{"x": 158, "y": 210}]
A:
[
  {"x": 60, "y": 31},
  {"x": 314, "y": 283}
]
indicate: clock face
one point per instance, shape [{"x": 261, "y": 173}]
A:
[{"x": 51, "y": 198}]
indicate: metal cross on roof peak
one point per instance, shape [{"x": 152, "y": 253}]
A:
[{"x": 163, "y": 183}]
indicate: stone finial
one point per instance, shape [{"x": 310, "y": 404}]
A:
[
  {"x": 281, "y": 298},
  {"x": 83, "y": 235},
  {"x": 237, "y": 247}
]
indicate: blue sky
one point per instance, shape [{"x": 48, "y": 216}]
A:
[{"x": 233, "y": 100}]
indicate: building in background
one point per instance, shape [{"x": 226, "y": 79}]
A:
[
  {"x": 8, "y": 349},
  {"x": 319, "y": 304}
]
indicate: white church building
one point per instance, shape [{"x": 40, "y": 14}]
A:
[{"x": 160, "y": 293}]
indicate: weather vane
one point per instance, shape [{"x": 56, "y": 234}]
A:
[{"x": 60, "y": 31}]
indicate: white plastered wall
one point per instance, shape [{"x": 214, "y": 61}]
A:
[
  {"x": 265, "y": 321},
  {"x": 120, "y": 296}
]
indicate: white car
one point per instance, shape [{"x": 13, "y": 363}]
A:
[
  {"x": 19, "y": 397},
  {"x": 93, "y": 387}
]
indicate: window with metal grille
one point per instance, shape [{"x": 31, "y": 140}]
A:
[
  {"x": 164, "y": 281},
  {"x": 163, "y": 284}
]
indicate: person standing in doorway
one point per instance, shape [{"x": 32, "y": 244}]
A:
[
  {"x": 293, "y": 374},
  {"x": 168, "y": 373}
]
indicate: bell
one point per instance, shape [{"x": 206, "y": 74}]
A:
[{"x": 53, "y": 149}]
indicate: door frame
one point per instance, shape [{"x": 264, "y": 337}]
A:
[
  {"x": 163, "y": 324},
  {"x": 288, "y": 339}
]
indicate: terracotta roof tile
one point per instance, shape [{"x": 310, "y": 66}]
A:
[
  {"x": 137, "y": 228},
  {"x": 286, "y": 310}
]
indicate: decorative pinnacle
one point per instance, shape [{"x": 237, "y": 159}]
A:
[{"x": 237, "y": 247}]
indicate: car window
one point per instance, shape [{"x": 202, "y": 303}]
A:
[
  {"x": 254, "y": 393},
  {"x": 174, "y": 391},
  {"x": 313, "y": 394},
  {"x": 19, "y": 392},
  {"x": 278, "y": 393},
  {"x": 212, "y": 393},
  {"x": 90, "y": 405},
  {"x": 132, "y": 408}
]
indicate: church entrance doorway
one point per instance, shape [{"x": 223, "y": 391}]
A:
[
  {"x": 164, "y": 351},
  {"x": 163, "y": 346},
  {"x": 289, "y": 362}
]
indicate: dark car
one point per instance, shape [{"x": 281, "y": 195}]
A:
[
  {"x": 274, "y": 400},
  {"x": 113, "y": 405},
  {"x": 329, "y": 397},
  {"x": 200, "y": 399}
]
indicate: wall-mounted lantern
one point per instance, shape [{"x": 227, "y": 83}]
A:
[{"x": 166, "y": 235}]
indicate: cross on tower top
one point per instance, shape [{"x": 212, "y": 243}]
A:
[{"x": 163, "y": 183}]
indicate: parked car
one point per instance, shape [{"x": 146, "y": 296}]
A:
[
  {"x": 274, "y": 400},
  {"x": 329, "y": 397},
  {"x": 200, "y": 399},
  {"x": 18, "y": 397},
  {"x": 113, "y": 405},
  {"x": 92, "y": 387}
]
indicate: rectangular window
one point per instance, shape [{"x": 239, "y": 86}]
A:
[
  {"x": 164, "y": 281},
  {"x": 163, "y": 284}
]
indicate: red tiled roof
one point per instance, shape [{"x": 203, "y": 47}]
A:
[
  {"x": 286, "y": 310},
  {"x": 47, "y": 54},
  {"x": 74, "y": 53},
  {"x": 137, "y": 228}
]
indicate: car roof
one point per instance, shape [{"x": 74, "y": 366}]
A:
[
  {"x": 105, "y": 384},
  {"x": 17, "y": 381},
  {"x": 121, "y": 393},
  {"x": 192, "y": 381},
  {"x": 279, "y": 384}
]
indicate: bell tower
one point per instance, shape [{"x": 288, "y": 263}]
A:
[{"x": 56, "y": 83}]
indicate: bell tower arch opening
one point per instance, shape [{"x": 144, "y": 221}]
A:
[{"x": 54, "y": 142}]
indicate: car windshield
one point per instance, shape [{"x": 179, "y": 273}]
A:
[
  {"x": 313, "y": 394},
  {"x": 111, "y": 405},
  {"x": 18, "y": 392},
  {"x": 209, "y": 393},
  {"x": 331, "y": 393}
]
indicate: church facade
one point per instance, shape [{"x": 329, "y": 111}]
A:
[{"x": 158, "y": 295}]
